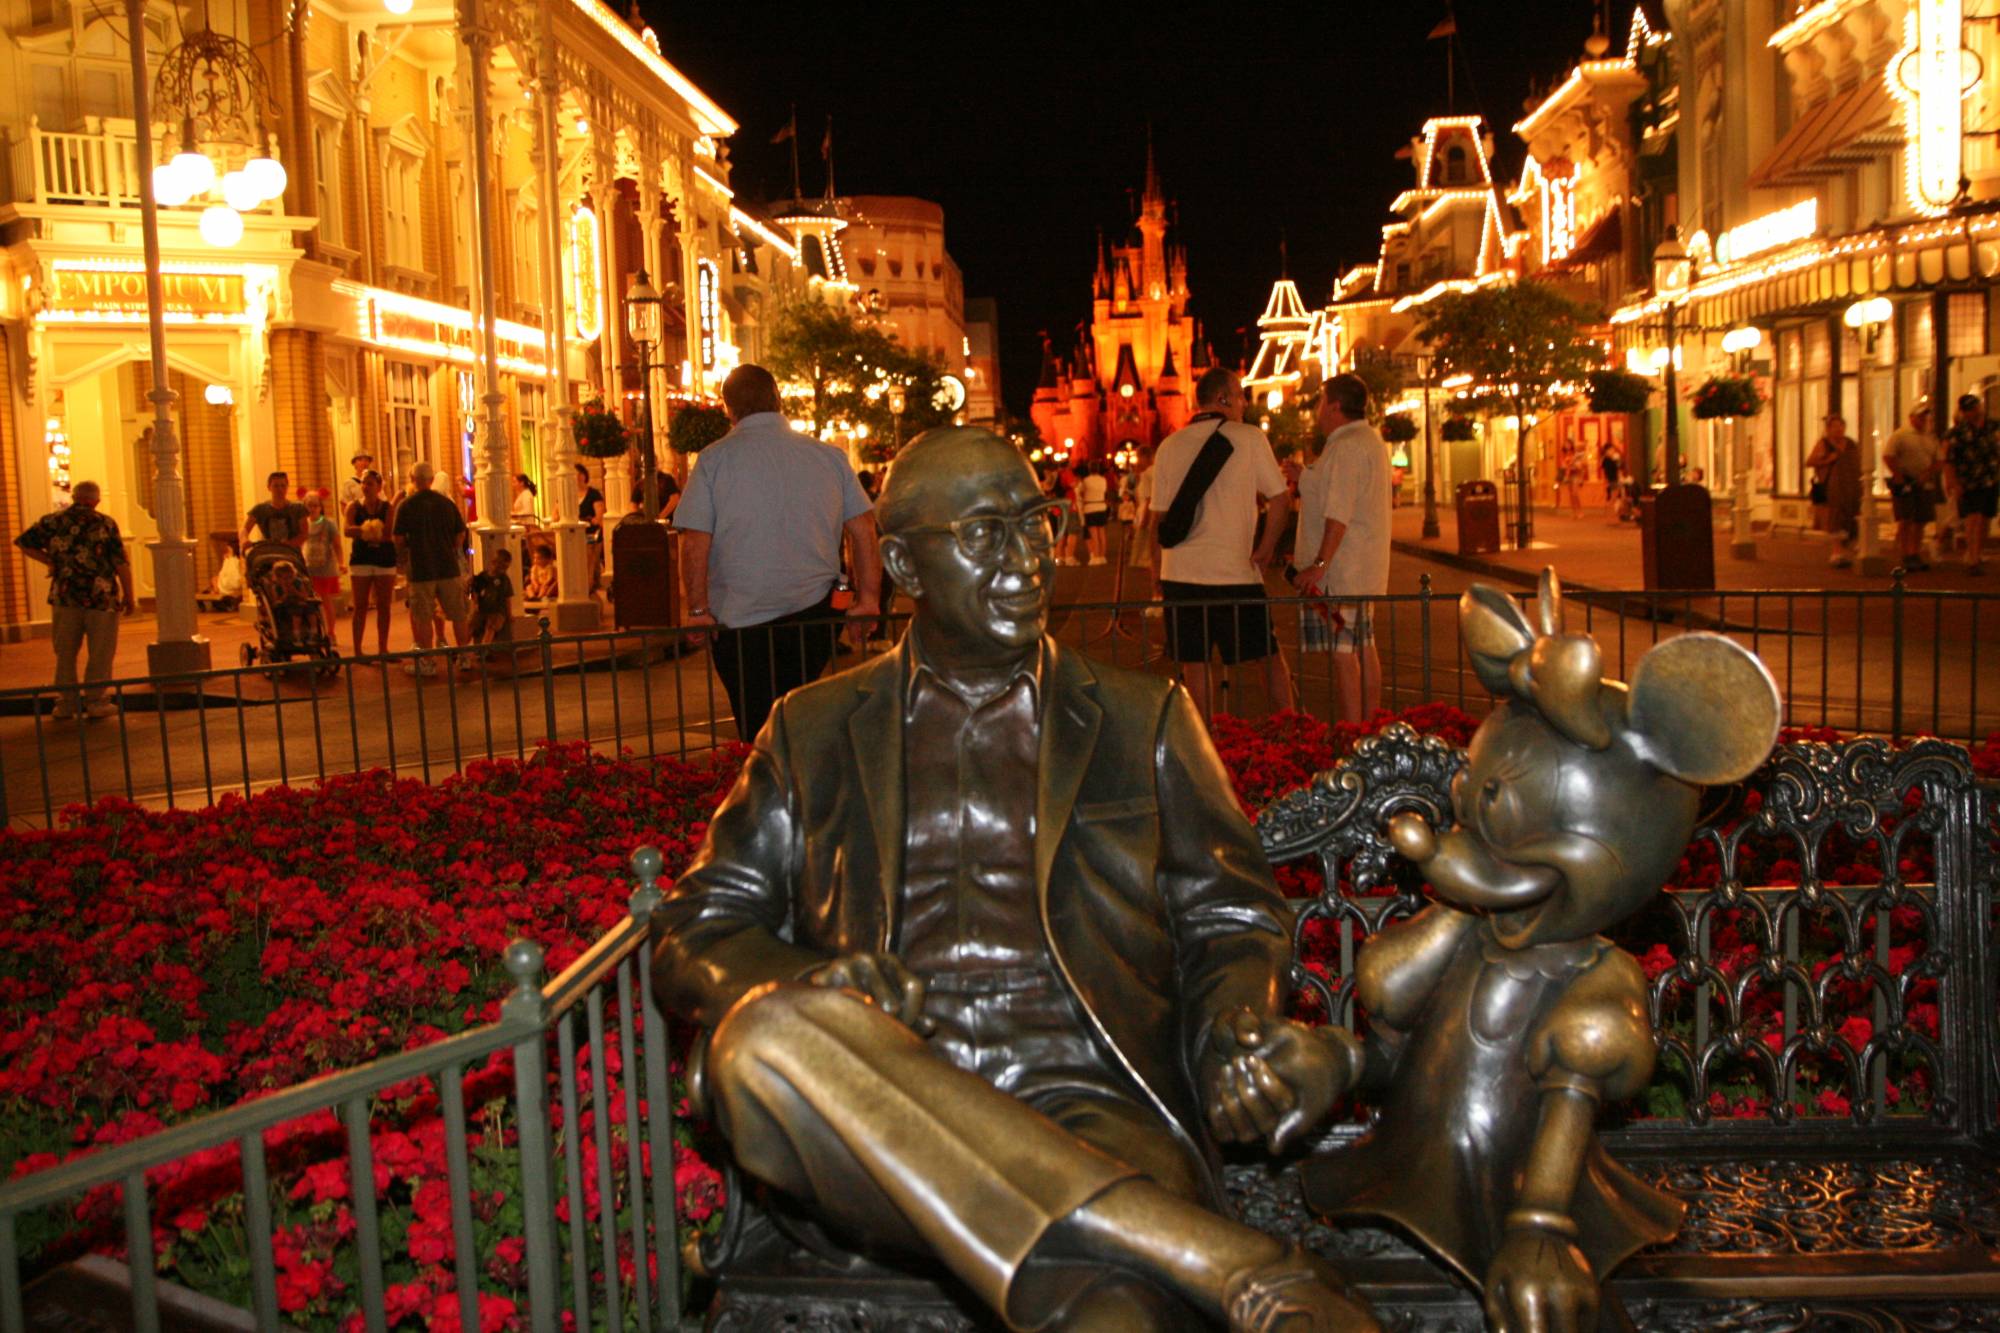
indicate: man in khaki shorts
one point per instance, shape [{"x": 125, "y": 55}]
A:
[
  {"x": 1342, "y": 551},
  {"x": 430, "y": 536}
]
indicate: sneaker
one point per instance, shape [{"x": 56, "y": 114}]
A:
[
  {"x": 409, "y": 666},
  {"x": 101, "y": 708},
  {"x": 63, "y": 712},
  {"x": 1097, "y": 560},
  {"x": 1154, "y": 612}
]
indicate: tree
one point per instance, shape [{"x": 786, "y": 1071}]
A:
[
  {"x": 1383, "y": 375},
  {"x": 836, "y": 371},
  {"x": 1523, "y": 344}
]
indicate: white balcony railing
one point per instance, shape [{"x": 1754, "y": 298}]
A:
[{"x": 98, "y": 164}]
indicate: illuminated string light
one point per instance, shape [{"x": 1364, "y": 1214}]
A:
[{"x": 1930, "y": 77}]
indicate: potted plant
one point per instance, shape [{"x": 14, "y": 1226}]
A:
[
  {"x": 695, "y": 426},
  {"x": 1727, "y": 396},
  {"x": 1456, "y": 428},
  {"x": 1399, "y": 428},
  {"x": 1619, "y": 391},
  {"x": 600, "y": 434}
]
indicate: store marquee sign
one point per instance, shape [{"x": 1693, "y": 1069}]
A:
[{"x": 123, "y": 291}]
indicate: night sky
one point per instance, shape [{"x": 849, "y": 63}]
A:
[{"x": 1028, "y": 124}]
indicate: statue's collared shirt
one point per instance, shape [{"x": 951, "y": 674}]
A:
[{"x": 969, "y": 920}]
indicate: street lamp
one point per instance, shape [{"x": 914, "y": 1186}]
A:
[
  {"x": 898, "y": 400},
  {"x": 1866, "y": 317},
  {"x": 1673, "y": 273},
  {"x": 642, "y": 322},
  {"x": 1426, "y": 365},
  {"x": 1738, "y": 344}
]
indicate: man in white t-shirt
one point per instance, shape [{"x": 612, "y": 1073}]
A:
[
  {"x": 1342, "y": 550},
  {"x": 1216, "y": 562}
]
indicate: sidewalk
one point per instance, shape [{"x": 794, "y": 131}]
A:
[{"x": 1595, "y": 551}]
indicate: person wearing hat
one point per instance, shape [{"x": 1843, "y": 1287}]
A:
[
  {"x": 1912, "y": 458},
  {"x": 1972, "y": 453},
  {"x": 350, "y": 489}
]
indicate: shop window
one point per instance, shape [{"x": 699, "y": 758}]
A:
[
  {"x": 330, "y": 157},
  {"x": 402, "y": 177},
  {"x": 527, "y": 250},
  {"x": 1819, "y": 350},
  {"x": 1965, "y": 324},
  {"x": 1791, "y": 363},
  {"x": 1916, "y": 322},
  {"x": 409, "y": 396},
  {"x": 1788, "y": 451}
]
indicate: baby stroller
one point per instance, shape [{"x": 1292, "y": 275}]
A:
[{"x": 289, "y": 625}]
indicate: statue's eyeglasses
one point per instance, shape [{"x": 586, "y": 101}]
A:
[{"x": 984, "y": 536}]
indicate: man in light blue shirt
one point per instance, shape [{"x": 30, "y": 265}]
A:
[{"x": 763, "y": 515}]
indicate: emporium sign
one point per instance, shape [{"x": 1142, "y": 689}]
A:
[{"x": 104, "y": 291}]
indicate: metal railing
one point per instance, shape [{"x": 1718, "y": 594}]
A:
[
  {"x": 1891, "y": 661},
  {"x": 598, "y": 1015}
]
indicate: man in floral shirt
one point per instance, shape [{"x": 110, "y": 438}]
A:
[
  {"x": 1972, "y": 452},
  {"x": 90, "y": 582}
]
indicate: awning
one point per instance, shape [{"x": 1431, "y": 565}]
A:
[
  {"x": 1601, "y": 240},
  {"x": 1824, "y": 139}
]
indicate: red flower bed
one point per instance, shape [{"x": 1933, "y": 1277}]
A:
[{"x": 159, "y": 965}]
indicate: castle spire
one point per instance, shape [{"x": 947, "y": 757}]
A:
[
  {"x": 1101, "y": 282},
  {"x": 1153, "y": 196}
]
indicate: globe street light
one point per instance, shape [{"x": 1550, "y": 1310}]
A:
[
  {"x": 1673, "y": 273},
  {"x": 642, "y": 323},
  {"x": 1866, "y": 317}
]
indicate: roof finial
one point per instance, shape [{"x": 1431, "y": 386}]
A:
[{"x": 1152, "y": 194}]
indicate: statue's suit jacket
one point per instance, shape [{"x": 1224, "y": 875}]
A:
[{"x": 1154, "y": 895}]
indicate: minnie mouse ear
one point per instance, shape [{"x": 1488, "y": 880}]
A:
[
  {"x": 1703, "y": 709},
  {"x": 1495, "y": 633}
]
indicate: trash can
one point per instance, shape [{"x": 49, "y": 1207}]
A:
[
  {"x": 642, "y": 571},
  {"x": 1478, "y": 517},
  {"x": 1677, "y": 538}
]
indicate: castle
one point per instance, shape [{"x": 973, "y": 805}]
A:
[{"x": 1130, "y": 377}]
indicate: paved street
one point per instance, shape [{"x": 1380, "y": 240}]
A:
[{"x": 1831, "y": 651}]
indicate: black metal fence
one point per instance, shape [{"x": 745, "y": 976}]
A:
[{"x": 1890, "y": 661}]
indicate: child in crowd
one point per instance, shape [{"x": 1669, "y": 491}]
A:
[
  {"x": 541, "y": 574},
  {"x": 491, "y": 594},
  {"x": 295, "y": 608},
  {"x": 226, "y": 589}
]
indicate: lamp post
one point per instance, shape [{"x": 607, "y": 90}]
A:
[
  {"x": 178, "y": 648},
  {"x": 1866, "y": 317},
  {"x": 642, "y": 322},
  {"x": 1672, "y": 275},
  {"x": 1426, "y": 375},
  {"x": 898, "y": 400},
  {"x": 1738, "y": 344}
]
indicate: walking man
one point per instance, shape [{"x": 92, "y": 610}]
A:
[
  {"x": 1343, "y": 545},
  {"x": 430, "y": 534},
  {"x": 1973, "y": 455},
  {"x": 1912, "y": 456},
  {"x": 1215, "y": 562},
  {"x": 90, "y": 583},
  {"x": 763, "y": 516}
]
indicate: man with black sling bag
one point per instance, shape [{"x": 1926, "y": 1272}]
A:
[{"x": 1207, "y": 480}]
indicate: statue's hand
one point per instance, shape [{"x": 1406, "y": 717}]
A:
[
  {"x": 1540, "y": 1283},
  {"x": 1274, "y": 1079},
  {"x": 881, "y": 980}
]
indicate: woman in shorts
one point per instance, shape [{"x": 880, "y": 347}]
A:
[{"x": 371, "y": 560}]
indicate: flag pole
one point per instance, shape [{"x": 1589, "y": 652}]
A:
[
  {"x": 797, "y": 193},
  {"x": 826, "y": 151}
]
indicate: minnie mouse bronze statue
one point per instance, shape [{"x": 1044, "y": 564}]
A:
[{"x": 1501, "y": 1020}]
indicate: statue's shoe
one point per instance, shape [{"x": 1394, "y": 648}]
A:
[{"x": 1299, "y": 1293}]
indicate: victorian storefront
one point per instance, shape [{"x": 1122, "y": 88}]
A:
[{"x": 345, "y": 311}]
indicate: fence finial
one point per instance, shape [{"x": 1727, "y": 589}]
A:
[
  {"x": 646, "y": 863},
  {"x": 523, "y": 961}
]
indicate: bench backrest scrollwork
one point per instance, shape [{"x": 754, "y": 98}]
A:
[{"x": 1821, "y": 970}]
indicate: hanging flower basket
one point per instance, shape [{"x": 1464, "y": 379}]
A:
[
  {"x": 695, "y": 426},
  {"x": 600, "y": 434},
  {"x": 1619, "y": 391},
  {"x": 1456, "y": 428},
  {"x": 1727, "y": 396},
  {"x": 1399, "y": 428}
]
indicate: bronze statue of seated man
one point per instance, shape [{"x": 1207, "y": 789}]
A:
[{"x": 991, "y": 958}]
